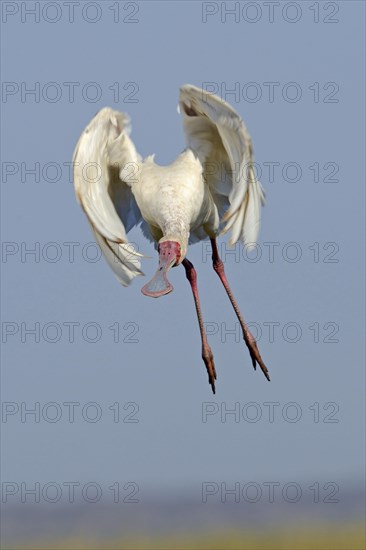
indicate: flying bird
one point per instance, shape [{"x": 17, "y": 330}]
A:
[{"x": 210, "y": 189}]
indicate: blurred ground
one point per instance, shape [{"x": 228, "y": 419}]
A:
[
  {"x": 314, "y": 537},
  {"x": 184, "y": 523}
]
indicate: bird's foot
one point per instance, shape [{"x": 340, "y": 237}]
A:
[
  {"x": 254, "y": 352},
  {"x": 208, "y": 359}
]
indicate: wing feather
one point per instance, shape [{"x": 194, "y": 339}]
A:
[
  {"x": 101, "y": 179},
  {"x": 219, "y": 138}
]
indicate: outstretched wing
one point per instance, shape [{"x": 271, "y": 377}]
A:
[
  {"x": 219, "y": 138},
  {"x": 105, "y": 160}
]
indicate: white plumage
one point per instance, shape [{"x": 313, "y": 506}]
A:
[{"x": 208, "y": 190}]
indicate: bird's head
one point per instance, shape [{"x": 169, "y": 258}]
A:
[{"x": 170, "y": 255}]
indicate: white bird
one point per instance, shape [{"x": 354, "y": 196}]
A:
[{"x": 208, "y": 190}]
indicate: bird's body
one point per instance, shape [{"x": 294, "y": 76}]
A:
[
  {"x": 174, "y": 200},
  {"x": 208, "y": 190}
]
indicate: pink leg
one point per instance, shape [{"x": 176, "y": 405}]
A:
[
  {"x": 207, "y": 355},
  {"x": 248, "y": 336}
]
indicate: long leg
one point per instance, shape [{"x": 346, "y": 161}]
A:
[
  {"x": 248, "y": 336},
  {"x": 207, "y": 355}
]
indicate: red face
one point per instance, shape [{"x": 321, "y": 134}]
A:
[{"x": 168, "y": 251}]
